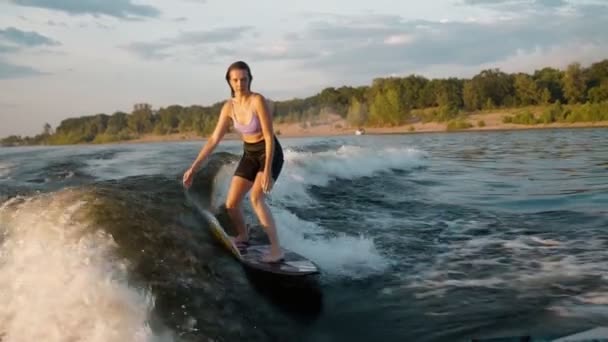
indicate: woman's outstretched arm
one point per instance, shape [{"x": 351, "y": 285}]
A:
[{"x": 218, "y": 133}]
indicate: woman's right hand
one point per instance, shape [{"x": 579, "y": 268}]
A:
[{"x": 188, "y": 176}]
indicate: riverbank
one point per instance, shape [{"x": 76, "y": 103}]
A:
[{"x": 336, "y": 126}]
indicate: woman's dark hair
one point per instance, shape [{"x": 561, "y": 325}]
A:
[{"x": 238, "y": 65}]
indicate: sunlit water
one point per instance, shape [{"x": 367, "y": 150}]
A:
[{"x": 420, "y": 237}]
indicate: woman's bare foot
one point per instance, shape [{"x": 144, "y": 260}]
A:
[
  {"x": 242, "y": 238},
  {"x": 274, "y": 257}
]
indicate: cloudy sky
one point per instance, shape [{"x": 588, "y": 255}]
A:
[{"x": 69, "y": 58}]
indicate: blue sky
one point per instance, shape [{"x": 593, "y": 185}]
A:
[{"x": 68, "y": 58}]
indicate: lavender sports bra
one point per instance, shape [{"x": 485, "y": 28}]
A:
[{"x": 252, "y": 127}]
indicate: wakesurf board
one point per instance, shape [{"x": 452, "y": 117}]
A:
[{"x": 293, "y": 264}]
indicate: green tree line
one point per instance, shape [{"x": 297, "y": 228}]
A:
[{"x": 389, "y": 101}]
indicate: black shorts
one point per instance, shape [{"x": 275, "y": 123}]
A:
[{"x": 254, "y": 158}]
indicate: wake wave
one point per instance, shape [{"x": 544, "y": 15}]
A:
[
  {"x": 305, "y": 169},
  {"x": 525, "y": 264},
  {"x": 341, "y": 255},
  {"x": 5, "y": 170},
  {"x": 125, "y": 164},
  {"x": 60, "y": 281},
  {"x": 346, "y": 255}
]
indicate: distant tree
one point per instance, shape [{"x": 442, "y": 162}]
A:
[
  {"x": 600, "y": 93},
  {"x": 117, "y": 122},
  {"x": 470, "y": 96},
  {"x": 449, "y": 93},
  {"x": 47, "y": 129},
  {"x": 141, "y": 119},
  {"x": 596, "y": 74},
  {"x": 550, "y": 79},
  {"x": 597, "y": 81},
  {"x": 491, "y": 84},
  {"x": 357, "y": 113},
  {"x": 574, "y": 83},
  {"x": 526, "y": 90}
]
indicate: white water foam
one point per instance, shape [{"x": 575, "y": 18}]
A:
[
  {"x": 304, "y": 169},
  {"x": 524, "y": 263},
  {"x": 61, "y": 282},
  {"x": 596, "y": 298},
  {"x": 5, "y": 170},
  {"x": 586, "y": 311},
  {"x": 125, "y": 164},
  {"x": 343, "y": 255}
]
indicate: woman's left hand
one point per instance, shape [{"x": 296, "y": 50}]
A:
[{"x": 267, "y": 182}]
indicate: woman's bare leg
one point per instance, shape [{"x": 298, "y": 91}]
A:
[
  {"x": 258, "y": 202},
  {"x": 238, "y": 188}
]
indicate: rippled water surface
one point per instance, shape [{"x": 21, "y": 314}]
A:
[{"x": 420, "y": 237}]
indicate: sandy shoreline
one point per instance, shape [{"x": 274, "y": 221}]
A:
[{"x": 336, "y": 126}]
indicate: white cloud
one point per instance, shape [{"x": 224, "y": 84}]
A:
[
  {"x": 190, "y": 40},
  {"x": 558, "y": 56},
  {"x": 411, "y": 46},
  {"x": 398, "y": 39},
  {"x": 122, "y": 9}
]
